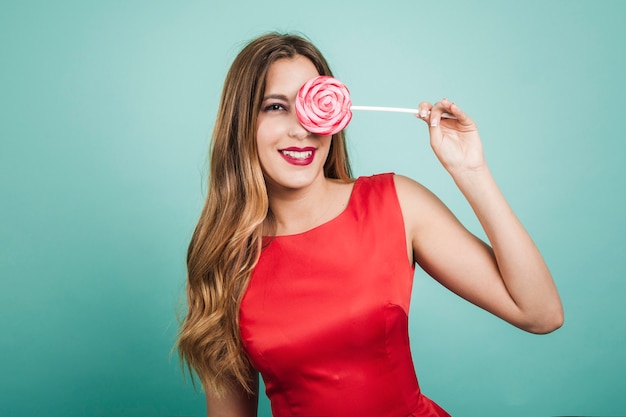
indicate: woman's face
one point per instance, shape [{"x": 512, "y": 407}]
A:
[{"x": 291, "y": 157}]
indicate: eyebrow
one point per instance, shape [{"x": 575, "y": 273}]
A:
[{"x": 276, "y": 96}]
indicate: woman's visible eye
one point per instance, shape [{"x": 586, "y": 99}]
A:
[{"x": 274, "y": 107}]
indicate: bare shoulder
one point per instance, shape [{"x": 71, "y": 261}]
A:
[
  {"x": 423, "y": 212},
  {"x": 415, "y": 199},
  {"x": 407, "y": 187}
]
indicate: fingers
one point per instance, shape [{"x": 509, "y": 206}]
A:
[
  {"x": 432, "y": 114},
  {"x": 424, "y": 110}
]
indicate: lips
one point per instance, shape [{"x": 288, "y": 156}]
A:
[{"x": 298, "y": 156}]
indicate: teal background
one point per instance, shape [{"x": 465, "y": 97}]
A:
[{"x": 106, "y": 110}]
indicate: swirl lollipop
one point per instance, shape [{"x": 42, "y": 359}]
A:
[{"x": 323, "y": 106}]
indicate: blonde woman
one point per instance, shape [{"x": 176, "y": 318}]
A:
[{"x": 300, "y": 273}]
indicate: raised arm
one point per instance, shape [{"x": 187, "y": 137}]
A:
[
  {"x": 509, "y": 279},
  {"x": 237, "y": 403}
]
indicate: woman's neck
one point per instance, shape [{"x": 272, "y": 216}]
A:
[{"x": 296, "y": 211}]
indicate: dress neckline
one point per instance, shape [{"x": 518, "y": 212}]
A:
[{"x": 328, "y": 222}]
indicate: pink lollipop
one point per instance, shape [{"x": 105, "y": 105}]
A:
[{"x": 323, "y": 105}]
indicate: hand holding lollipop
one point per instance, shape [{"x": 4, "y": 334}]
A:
[{"x": 323, "y": 106}]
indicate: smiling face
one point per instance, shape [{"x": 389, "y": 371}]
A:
[{"x": 291, "y": 157}]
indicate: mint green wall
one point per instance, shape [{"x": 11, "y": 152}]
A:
[{"x": 105, "y": 114}]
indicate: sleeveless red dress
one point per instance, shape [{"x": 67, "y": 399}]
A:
[{"x": 324, "y": 317}]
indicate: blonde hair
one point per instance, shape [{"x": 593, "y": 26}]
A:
[{"x": 228, "y": 238}]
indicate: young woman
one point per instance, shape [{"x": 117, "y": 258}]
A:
[{"x": 301, "y": 273}]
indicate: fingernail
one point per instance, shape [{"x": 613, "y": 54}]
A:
[
  {"x": 423, "y": 113},
  {"x": 433, "y": 123}
]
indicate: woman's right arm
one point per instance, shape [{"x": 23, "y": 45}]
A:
[{"x": 237, "y": 403}]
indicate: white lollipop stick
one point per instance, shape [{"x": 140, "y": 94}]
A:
[{"x": 397, "y": 110}]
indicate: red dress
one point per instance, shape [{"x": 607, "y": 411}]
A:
[{"x": 324, "y": 318}]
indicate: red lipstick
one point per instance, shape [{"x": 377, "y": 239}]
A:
[{"x": 298, "y": 156}]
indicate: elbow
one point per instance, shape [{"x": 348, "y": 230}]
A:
[{"x": 546, "y": 323}]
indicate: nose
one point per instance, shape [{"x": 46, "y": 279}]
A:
[{"x": 296, "y": 130}]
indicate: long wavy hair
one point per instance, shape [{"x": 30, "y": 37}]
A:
[{"x": 228, "y": 238}]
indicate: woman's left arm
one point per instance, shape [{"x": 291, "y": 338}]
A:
[{"x": 510, "y": 278}]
